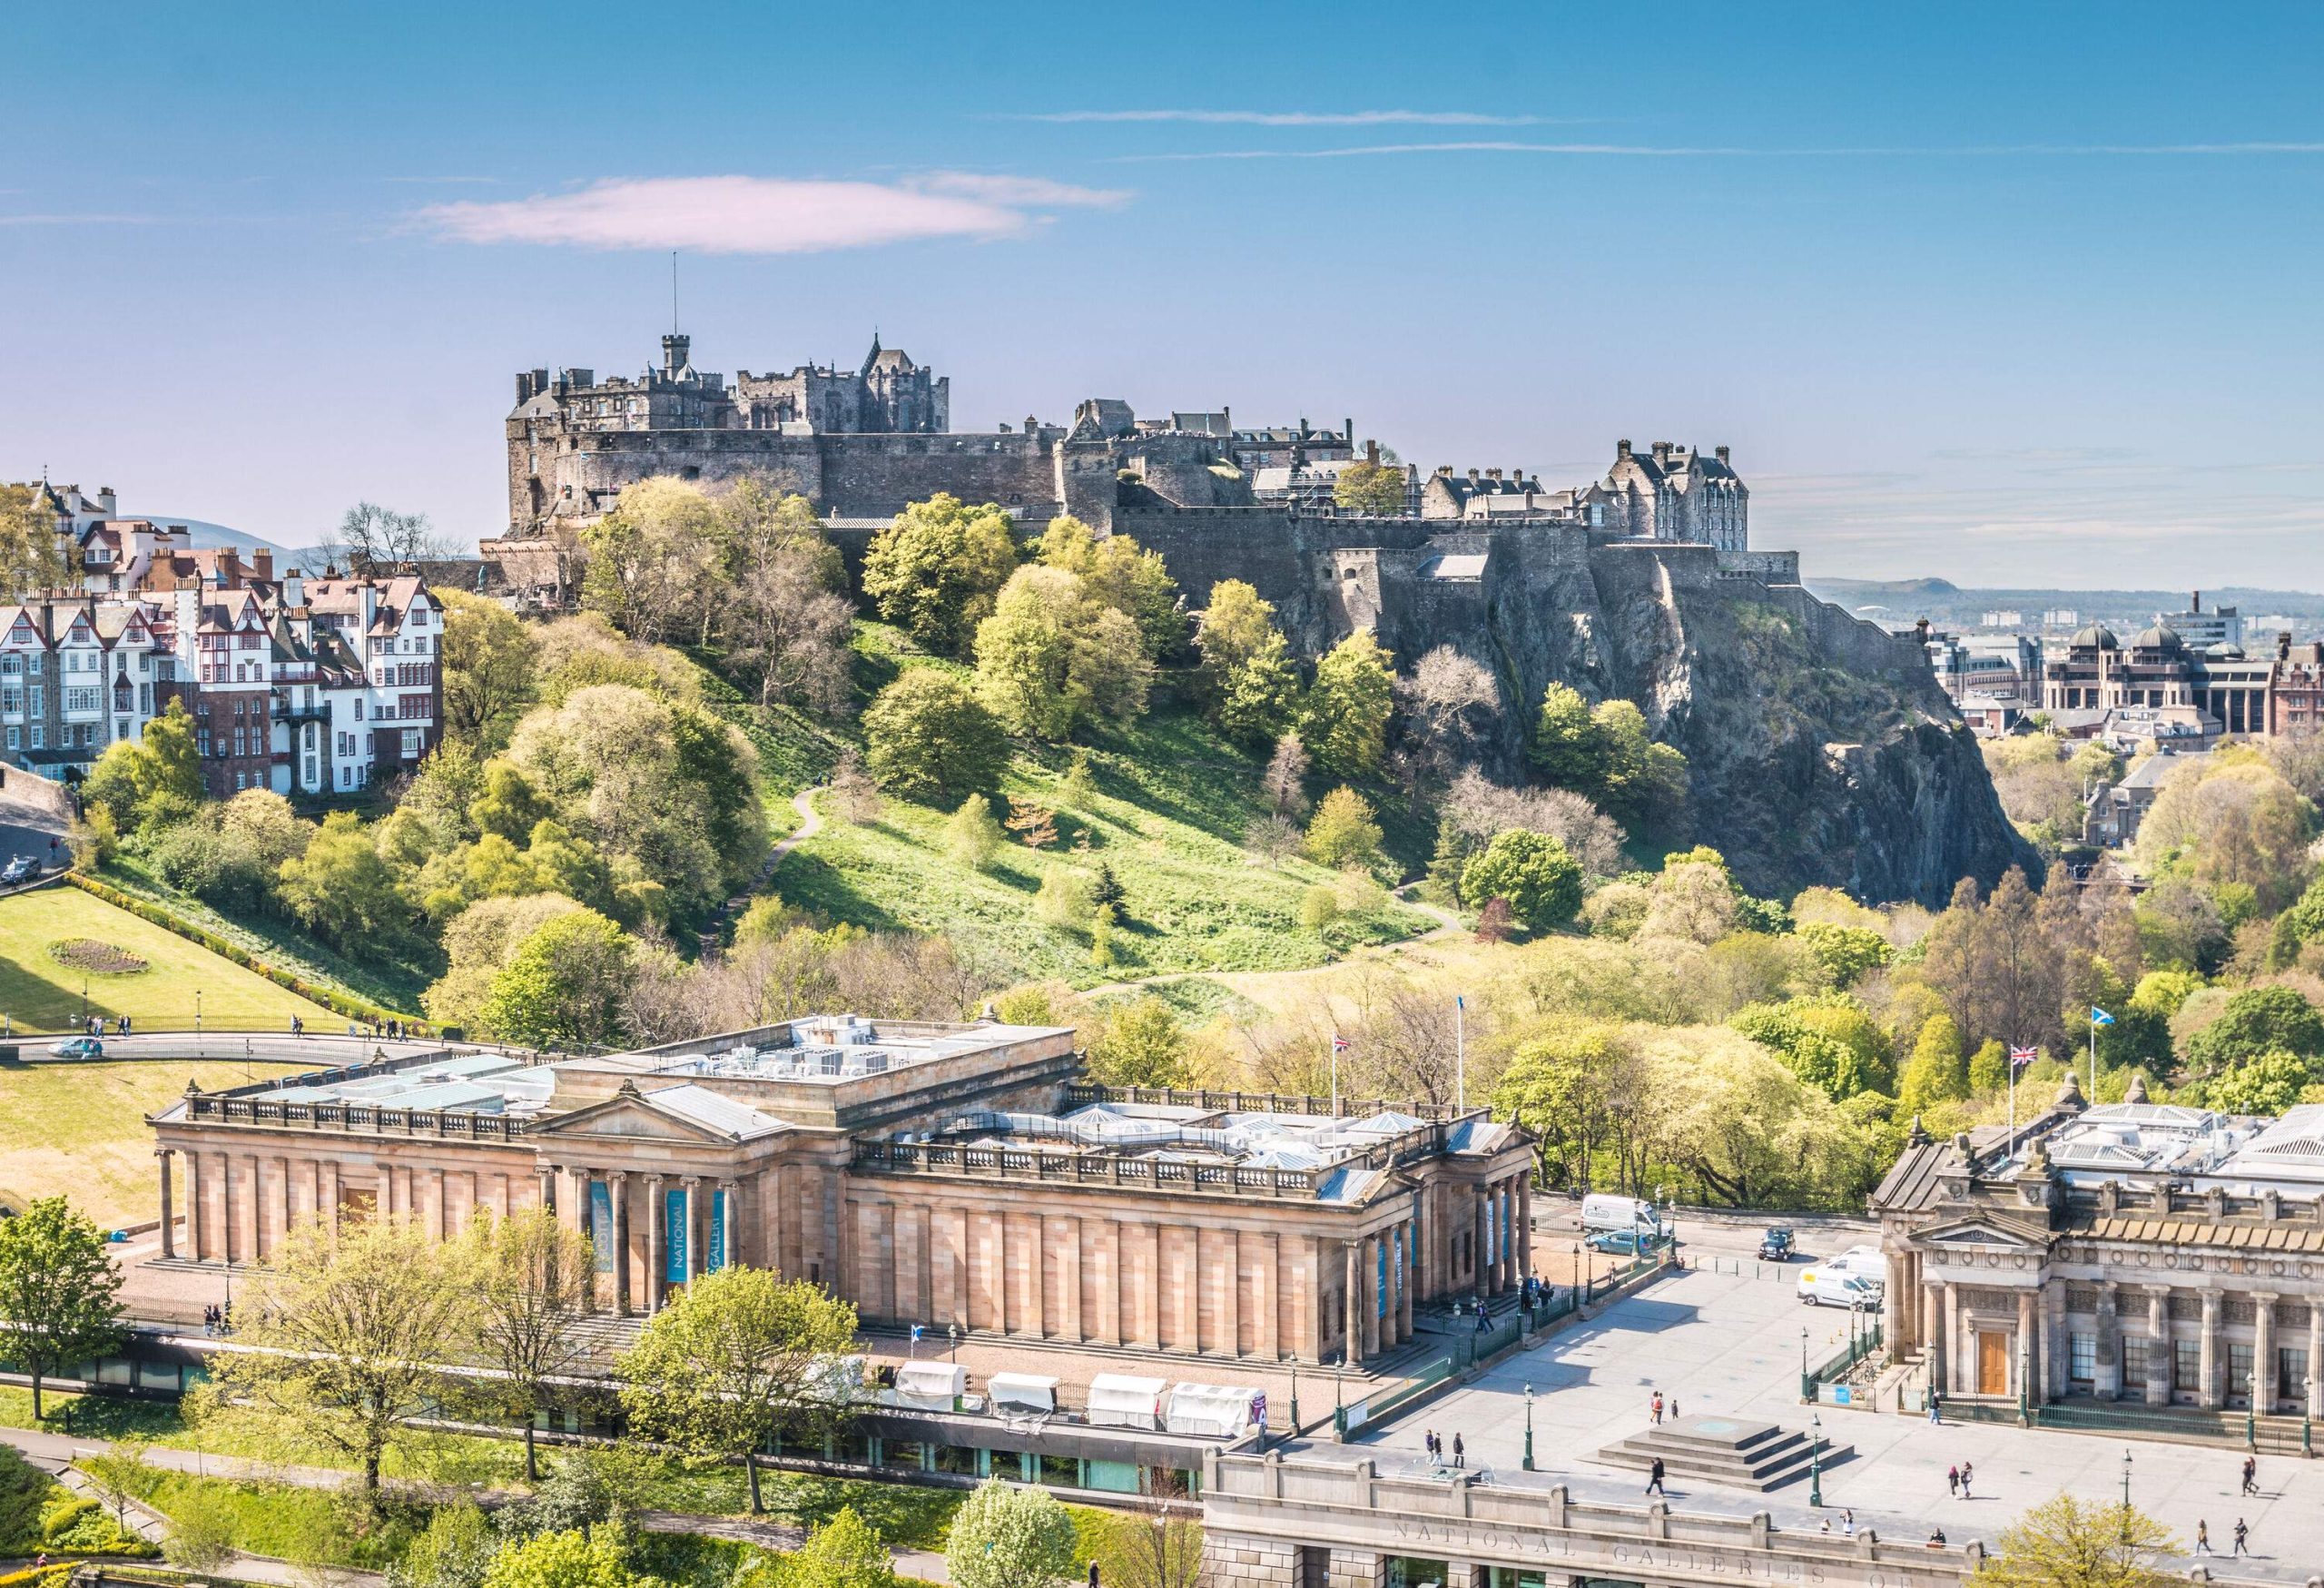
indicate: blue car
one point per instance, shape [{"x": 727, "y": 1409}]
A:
[
  {"x": 77, "y": 1048},
  {"x": 1622, "y": 1243}
]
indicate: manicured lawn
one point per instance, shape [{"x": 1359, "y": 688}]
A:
[
  {"x": 79, "y": 1130},
  {"x": 38, "y": 993},
  {"x": 1168, "y": 815},
  {"x": 318, "y": 1526}
]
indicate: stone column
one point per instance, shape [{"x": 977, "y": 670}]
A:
[
  {"x": 617, "y": 1184},
  {"x": 2214, "y": 1360},
  {"x": 2312, "y": 1392},
  {"x": 654, "y": 1216},
  {"x": 1937, "y": 1339},
  {"x": 1958, "y": 1367},
  {"x": 2057, "y": 1351},
  {"x": 2159, "y": 1353},
  {"x": 169, "y": 1207},
  {"x": 1411, "y": 1226},
  {"x": 2026, "y": 1369},
  {"x": 692, "y": 1187},
  {"x": 2262, "y": 1387},
  {"x": 1505, "y": 1241},
  {"x": 196, "y": 1246},
  {"x": 548, "y": 1173},
  {"x": 730, "y": 1253},
  {"x": 1352, "y": 1350},
  {"x": 1373, "y": 1296},
  {"x": 2107, "y": 1384}
]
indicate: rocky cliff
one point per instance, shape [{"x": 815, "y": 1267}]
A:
[{"x": 1820, "y": 747}]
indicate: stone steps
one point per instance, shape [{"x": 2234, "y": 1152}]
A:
[{"x": 1725, "y": 1451}]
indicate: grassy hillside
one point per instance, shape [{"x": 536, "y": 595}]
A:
[
  {"x": 39, "y": 992},
  {"x": 78, "y": 1131},
  {"x": 1168, "y": 815}
]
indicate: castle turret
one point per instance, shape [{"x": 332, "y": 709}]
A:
[{"x": 675, "y": 353}]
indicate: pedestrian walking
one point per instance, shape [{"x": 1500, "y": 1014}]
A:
[
  {"x": 2251, "y": 1474},
  {"x": 1933, "y": 1398},
  {"x": 1847, "y": 1522},
  {"x": 1953, "y": 1482},
  {"x": 1658, "y": 1407},
  {"x": 2202, "y": 1536},
  {"x": 1674, "y": 1409},
  {"x": 1967, "y": 1473},
  {"x": 1654, "y": 1479},
  {"x": 1460, "y": 1452},
  {"x": 2242, "y": 1533}
]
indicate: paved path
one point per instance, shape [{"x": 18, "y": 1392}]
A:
[
  {"x": 323, "y": 1048},
  {"x": 56, "y": 1452},
  {"x": 1731, "y": 1345},
  {"x": 811, "y": 822}
]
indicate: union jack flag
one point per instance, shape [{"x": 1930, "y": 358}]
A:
[
  {"x": 1340, "y": 1044},
  {"x": 2019, "y": 1058}
]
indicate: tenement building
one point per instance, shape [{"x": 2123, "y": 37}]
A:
[
  {"x": 938, "y": 1174},
  {"x": 2134, "y": 1252}
]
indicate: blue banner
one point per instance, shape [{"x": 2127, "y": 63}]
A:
[
  {"x": 674, "y": 1237},
  {"x": 1380, "y": 1290},
  {"x": 714, "y": 1248},
  {"x": 601, "y": 1226},
  {"x": 1396, "y": 1240},
  {"x": 1489, "y": 1248}
]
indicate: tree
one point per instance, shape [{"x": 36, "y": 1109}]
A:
[
  {"x": 973, "y": 837},
  {"x": 659, "y": 562},
  {"x": 927, "y": 734},
  {"x": 1641, "y": 782},
  {"x": 373, "y": 539},
  {"x": 1829, "y": 1040},
  {"x": 787, "y": 635},
  {"x": 2265, "y": 1083},
  {"x": 479, "y": 943},
  {"x": 153, "y": 782},
  {"x": 2231, "y": 818},
  {"x": 1533, "y": 872},
  {"x": 487, "y": 660},
  {"x": 1050, "y": 657},
  {"x": 843, "y": 1553},
  {"x": 1248, "y": 682},
  {"x": 2259, "y": 1019},
  {"x": 532, "y": 1279},
  {"x": 740, "y": 1355},
  {"x": 343, "y": 1327},
  {"x": 564, "y": 1560},
  {"x": 2065, "y": 1543},
  {"x": 1141, "y": 1043},
  {"x": 1343, "y": 832},
  {"x": 1006, "y": 1537},
  {"x": 934, "y": 571},
  {"x": 1995, "y": 967},
  {"x": 59, "y": 1291},
  {"x": 32, "y": 553},
  {"x": 342, "y": 889},
  {"x": 1937, "y": 1071},
  {"x": 202, "y": 1531},
  {"x": 1115, "y": 572},
  {"x": 854, "y": 791},
  {"x": 1476, "y": 808},
  {"x": 1572, "y": 1088},
  {"x": 563, "y": 986},
  {"x": 1159, "y": 1543},
  {"x": 455, "y": 1550},
  {"x": 1366, "y": 487},
  {"x": 763, "y": 524},
  {"x": 1448, "y": 705},
  {"x": 1846, "y": 953},
  {"x": 1346, "y": 724},
  {"x": 1035, "y": 825},
  {"x": 1283, "y": 785},
  {"x": 1565, "y": 741}
]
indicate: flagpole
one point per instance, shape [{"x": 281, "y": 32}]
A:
[
  {"x": 2013, "y": 1097},
  {"x": 1459, "y": 1055},
  {"x": 2093, "y": 1059},
  {"x": 1335, "y": 1075}
]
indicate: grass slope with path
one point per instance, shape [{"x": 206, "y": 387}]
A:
[{"x": 1171, "y": 805}]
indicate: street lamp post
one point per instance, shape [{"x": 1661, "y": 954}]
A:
[
  {"x": 197, "y": 1011},
  {"x": 2306, "y": 1399},
  {"x": 1806, "y": 1391},
  {"x": 1529, "y": 1427},
  {"x": 1816, "y": 1460},
  {"x": 952, "y": 1349},
  {"x": 1294, "y": 1400},
  {"x": 2126, "y": 1496}
]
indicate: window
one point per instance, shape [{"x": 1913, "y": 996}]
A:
[
  {"x": 2133, "y": 1366},
  {"x": 2238, "y": 1371},
  {"x": 202, "y": 742},
  {"x": 12, "y": 699},
  {"x": 12, "y": 666},
  {"x": 145, "y": 699},
  {"x": 37, "y": 699},
  {"x": 2082, "y": 1358},
  {"x": 14, "y": 734},
  {"x": 84, "y": 697},
  {"x": 40, "y": 735},
  {"x": 2187, "y": 1365},
  {"x": 347, "y": 777},
  {"x": 359, "y": 708},
  {"x": 33, "y": 664}
]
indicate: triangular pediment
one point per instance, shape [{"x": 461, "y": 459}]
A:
[
  {"x": 633, "y": 1116},
  {"x": 1979, "y": 1232}
]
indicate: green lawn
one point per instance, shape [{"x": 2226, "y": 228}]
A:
[
  {"x": 79, "y": 1130},
  {"x": 1171, "y": 807}
]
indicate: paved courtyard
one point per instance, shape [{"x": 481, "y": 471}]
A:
[{"x": 1730, "y": 1343}]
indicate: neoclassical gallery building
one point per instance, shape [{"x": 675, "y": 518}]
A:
[
  {"x": 2130, "y": 1252},
  {"x": 938, "y": 1174}
]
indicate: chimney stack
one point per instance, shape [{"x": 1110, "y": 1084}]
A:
[
  {"x": 1722, "y": 454},
  {"x": 1622, "y": 448}
]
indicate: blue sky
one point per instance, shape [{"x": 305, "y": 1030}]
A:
[{"x": 2005, "y": 294}]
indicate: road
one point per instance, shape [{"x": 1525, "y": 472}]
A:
[{"x": 323, "y": 1050}]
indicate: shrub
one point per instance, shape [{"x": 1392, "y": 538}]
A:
[
  {"x": 1343, "y": 833},
  {"x": 1064, "y": 899},
  {"x": 1536, "y": 876}
]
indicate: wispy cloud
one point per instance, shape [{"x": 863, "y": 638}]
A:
[
  {"x": 754, "y": 214},
  {"x": 1293, "y": 118},
  {"x": 1739, "y": 151}
]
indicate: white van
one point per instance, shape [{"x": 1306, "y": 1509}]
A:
[
  {"x": 1864, "y": 1261},
  {"x": 1822, "y": 1286},
  {"x": 1599, "y": 1211}
]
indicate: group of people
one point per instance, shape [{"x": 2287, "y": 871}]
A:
[
  {"x": 97, "y": 1026},
  {"x": 1655, "y": 1407},
  {"x": 1958, "y": 1479},
  {"x": 393, "y": 1030},
  {"x": 216, "y": 1320},
  {"x": 1434, "y": 1444}
]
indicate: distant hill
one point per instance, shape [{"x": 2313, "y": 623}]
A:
[
  {"x": 1950, "y": 605},
  {"x": 207, "y": 535}
]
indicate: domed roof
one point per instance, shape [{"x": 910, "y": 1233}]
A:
[
  {"x": 2225, "y": 651},
  {"x": 2156, "y": 638},
  {"x": 2097, "y": 637}
]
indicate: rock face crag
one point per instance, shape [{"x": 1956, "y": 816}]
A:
[{"x": 1821, "y": 749}]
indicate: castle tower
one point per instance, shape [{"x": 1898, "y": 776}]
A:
[{"x": 675, "y": 351}]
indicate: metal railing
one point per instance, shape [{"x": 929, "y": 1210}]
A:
[
  {"x": 1862, "y": 1343},
  {"x": 917, "y": 1157},
  {"x": 1083, "y": 1094},
  {"x": 2261, "y": 1434},
  {"x": 352, "y": 1117}
]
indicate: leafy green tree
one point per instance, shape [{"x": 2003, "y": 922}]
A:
[
  {"x": 1051, "y": 656},
  {"x": 1938, "y": 1070},
  {"x": 1342, "y": 832},
  {"x": 2264, "y": 1083},
  {"x": 742, "y": 1354},
  {"x": 507, "y": 803},
  {"x": 657, "y": 561},
  {"x": 1989, "y": 1068},
  {"x": 59, "y": 1291},
  {"x": 2065, "y": 1543},
  {"x": 343, "y": 1326},
  {"x": 1565, "y": 742},
  {"x": 1004, "y": 1536},
  {"x": 343, "y": 889},
  {"x": 1141, "y": 1043},
  {"x": 202, "y": 1528},
  {"x": 487, "y": 660},
  {"x": 935, "y": 571},
  {"x": 1844, "y": 954},
  {"x": 532, "y": 1279},
  {"x": 843, "y": 1552},
  {"x": 150, "y": 783},
  {"x": 1642, "y": 784},
  {"x": 563, "y": 986},
  {"x": 455, "y": 1550},
  {"x": 564, "y": 1560},
  {"x": 927, "y": 734},
  {"x": 973, "y": 836},
  {"x": 1570, "y": 1087},
  {"x": 1533, "y": 871},
  {"x": 1371, "y": 488},
  {"x": 1248, "y": 683},
  {"x": 765, "y": 525},
  {"x": 2259, "y": 1019},
  {"x": 1345, "y": 722},
  {"x": 1829, "y": 1040},
  {"x": 1117, "y": 573}
]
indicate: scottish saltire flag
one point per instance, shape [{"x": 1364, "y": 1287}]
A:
[
  {"x": 2019, "y": 1058},
  {"x": 2099, "y": 1017}
]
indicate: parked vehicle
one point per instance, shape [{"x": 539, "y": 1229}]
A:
[
  {"x": 1864, "y": 1261},
  {"x": 1776, "y": 1244},
  {"x": 1599, "y": 1211},
  {"x": 18, "y": 869},
  {"x": 1826, "y": 1287},
  {"x": 77, "y": 1048},
  {"x": 1622, "y": 1243}
]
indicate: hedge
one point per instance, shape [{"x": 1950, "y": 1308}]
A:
[{"x": 329, "y": 998}]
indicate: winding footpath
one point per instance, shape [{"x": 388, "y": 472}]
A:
[{"x": 811, "y": 822}]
